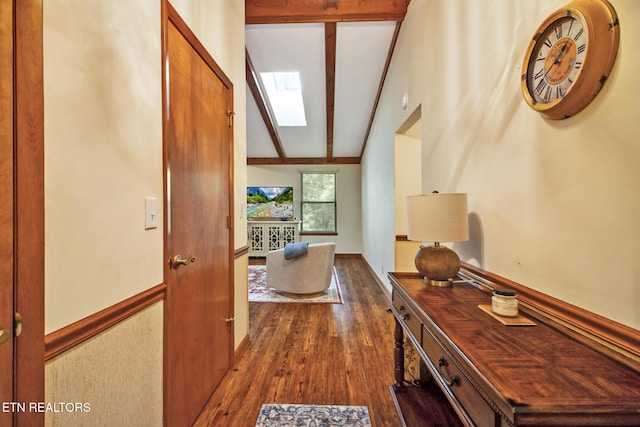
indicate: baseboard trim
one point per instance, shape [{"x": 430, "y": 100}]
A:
[
  {"x": 242, "y": 347},
  {"x": 348, "y": 255},
  {"x": 385, "y": 290},
  {"x": 68, "y": 337}
]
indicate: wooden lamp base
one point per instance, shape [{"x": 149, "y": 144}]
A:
[{"x": 437, "y": 264}]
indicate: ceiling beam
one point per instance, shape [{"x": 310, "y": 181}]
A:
[
  {"x": 303, "y": 161},
  {"x": 261, "y": 103},
  {"x": 288, "y": 11},
  {"x": 330, "y": 72},
  {"x": 380, "y": 86},
  {"x": 319, "y": 11}
]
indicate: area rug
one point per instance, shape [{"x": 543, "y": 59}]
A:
[
  {"x": 313, "y": 415},
  {"x": 260, "y": 292}
]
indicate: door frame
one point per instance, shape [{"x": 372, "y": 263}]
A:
[
  {"x": 170, "y": 15},
  {"x": 7, "y": 355},
  {"x": 28, "y": 221}
]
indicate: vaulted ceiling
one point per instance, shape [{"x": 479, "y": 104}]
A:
[{"x": 342, "y": 49}]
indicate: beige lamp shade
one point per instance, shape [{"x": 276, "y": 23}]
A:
[{"x": 437, "y": 217}]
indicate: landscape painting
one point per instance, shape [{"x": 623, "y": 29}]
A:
[{"x": 270, "y": 203}]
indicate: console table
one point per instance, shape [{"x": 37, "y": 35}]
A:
[
  {"x": 491, "y": 374},
  {"x": 266, "y": 236}
]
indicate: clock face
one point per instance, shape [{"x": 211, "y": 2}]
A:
[
  {"x": 570, "y": 57},
  {"x": 557, "y": 60}
]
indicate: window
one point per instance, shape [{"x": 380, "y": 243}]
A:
[
  {"x": 319, "y": 202},
  {"x": 285, "y": 96}
]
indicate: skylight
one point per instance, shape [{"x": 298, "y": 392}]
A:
[{"x": 285, "y": 95}]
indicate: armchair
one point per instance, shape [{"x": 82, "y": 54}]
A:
[{"x": 307, "y": 274}]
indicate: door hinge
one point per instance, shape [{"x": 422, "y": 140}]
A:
[
  {"x": 17, "y": 324},
  {"x": 230, "y": 115}
]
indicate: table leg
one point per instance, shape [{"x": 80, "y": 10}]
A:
[{"x": 398, "y": 355}]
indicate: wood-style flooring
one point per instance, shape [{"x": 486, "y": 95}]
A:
[{"x": 326, "y": 354}]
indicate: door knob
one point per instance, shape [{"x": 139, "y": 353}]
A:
[
  {"x": 5, "y": 335},
  {"x": 177, "y": 261}
]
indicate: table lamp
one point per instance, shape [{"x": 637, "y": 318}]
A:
[{"x": 437, "y": 217}]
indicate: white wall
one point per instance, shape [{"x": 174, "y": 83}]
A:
[
  {"x": 103, "y": 156},
  {"x": 553, "y": 204},
  {"x": 103, "y": 145},
  {"x": 348, "y": 240},
  {"x": 408, "y": 176}
]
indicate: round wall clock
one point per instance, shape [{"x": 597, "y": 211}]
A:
[{"x": 570, "y": 57}]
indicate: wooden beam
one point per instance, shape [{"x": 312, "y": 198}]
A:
[
  {"x": 261, "y": 103},
  {"x": 382, "y": 79},
  {"x": 330, "y": 72},
  {"x": 303, "y": 161},
  {"x": 288, "y": 11},
  {"x": 330, "y": 4}
]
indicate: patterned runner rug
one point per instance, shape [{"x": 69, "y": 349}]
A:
[
  {"x": 313, "y": 415},
  {"x": 260, "y": 292}
]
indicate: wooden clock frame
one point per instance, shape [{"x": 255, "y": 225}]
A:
[{"x": 603, "y": 36}]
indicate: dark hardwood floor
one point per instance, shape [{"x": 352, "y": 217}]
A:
[{"x": 327, "y": 354}]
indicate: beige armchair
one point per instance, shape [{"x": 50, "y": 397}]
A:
[{"x": 306, "y": 274}]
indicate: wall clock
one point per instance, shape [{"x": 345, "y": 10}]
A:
[{"x": 570, "y": 58}]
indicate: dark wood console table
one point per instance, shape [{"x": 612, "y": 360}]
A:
[{"x": 490, "y": 374}]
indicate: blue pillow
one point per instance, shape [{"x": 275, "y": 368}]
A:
[{"x": 293, "y": 250}]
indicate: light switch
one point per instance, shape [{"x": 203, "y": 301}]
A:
[{"x": 151, "y": 213}]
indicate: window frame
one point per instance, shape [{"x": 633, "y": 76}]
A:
[{"x": 304, "y": 202}]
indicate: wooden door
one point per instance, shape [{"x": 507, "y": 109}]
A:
[
  {"x": 198, "y": 325},
  {"x": 6, "y": 208}
]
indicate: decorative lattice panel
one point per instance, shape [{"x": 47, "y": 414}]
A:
[
  {"x": 274, "y": 238},
  {"x": 256, "y": 239},
  {"x": 267, "y": 236},
  {"x": 289, "y": 234}
]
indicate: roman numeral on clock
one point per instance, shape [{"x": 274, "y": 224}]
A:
[
  {"x": 540, "y": 86},
  {"x": 558, "y": 31}
]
